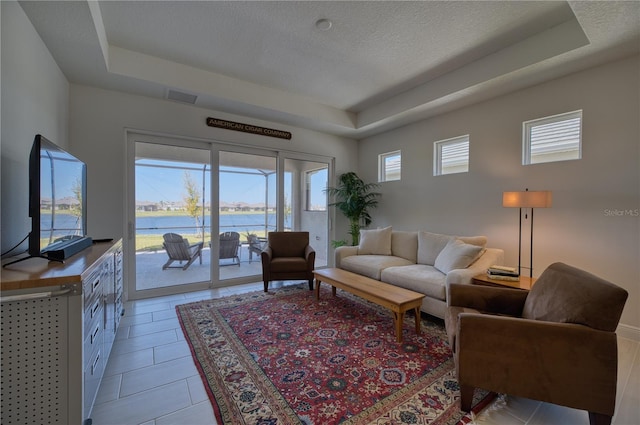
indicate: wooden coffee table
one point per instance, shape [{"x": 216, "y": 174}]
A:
[{"x": 398, "y": 300}]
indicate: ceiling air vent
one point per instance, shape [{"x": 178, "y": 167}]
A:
[{"x": 181, "y": 97}]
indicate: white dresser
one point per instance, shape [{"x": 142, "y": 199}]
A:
[{"x": 58, "y": 323}]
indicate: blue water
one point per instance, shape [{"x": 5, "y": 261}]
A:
[{"x": 241, "y": 223}]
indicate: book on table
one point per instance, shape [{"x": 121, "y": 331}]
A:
[{"x": 503, "y": 273}]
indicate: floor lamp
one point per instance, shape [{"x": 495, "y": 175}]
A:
[{"x": 526, "y": 199}]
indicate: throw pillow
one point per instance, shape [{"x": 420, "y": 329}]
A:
[
  {"x": 375, "y": 242},
  {"x": 474, "y": 240},
  {"x": 457, "y": 255},
  {"x": 430, "y": 245}
]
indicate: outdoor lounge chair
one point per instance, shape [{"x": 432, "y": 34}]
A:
[
  {"x": 178, "y": 249},
  {"x": 229, "y": 247},
  {"x": 256, "y": 245}
]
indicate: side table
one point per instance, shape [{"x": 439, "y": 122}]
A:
[{"x": 525, "y": 283}]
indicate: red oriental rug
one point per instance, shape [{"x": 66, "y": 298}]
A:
[{"x": 284, "y": 358}]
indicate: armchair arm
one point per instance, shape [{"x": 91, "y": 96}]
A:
[
  {"x": 265, "y": 256},
  {"x": 561, "y": 363},
  {"x": 343, "y": 252},
  {"x": 310, "y": 256},
  {"x": 487, "y": 299}
]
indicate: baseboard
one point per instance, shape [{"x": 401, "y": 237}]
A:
[{"x": 628, "y": 332}]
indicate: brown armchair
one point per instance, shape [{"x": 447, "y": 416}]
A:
[
  {"x": 287, "y": 256},
  {"x": 556, "y": 343}
]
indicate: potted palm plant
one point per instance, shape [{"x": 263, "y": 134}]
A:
[{"x": 354, "y": 198}]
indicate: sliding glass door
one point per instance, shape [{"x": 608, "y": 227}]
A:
[
  {"x": 172, "y": 216},
  {"x": 199, "y": 212}
]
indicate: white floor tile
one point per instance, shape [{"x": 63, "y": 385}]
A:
[
  {"x": 152, "y": 376},
  {"x": 121, "y": 363},
  {"x": 198, "y": 414},
  {"x": 171, "y": 351},
  {"x": 196, "y": 389},
  {"x": 143, "y": 342},
  {"x": 153, "y": 327},
  {"x": 144, "y": 406}
]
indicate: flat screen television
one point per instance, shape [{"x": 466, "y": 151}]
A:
[{"x": 57, "y": 201}]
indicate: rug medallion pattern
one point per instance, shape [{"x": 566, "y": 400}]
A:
[{"x": 285, "y": 358}]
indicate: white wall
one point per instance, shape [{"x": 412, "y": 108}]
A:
[
  {"x": 35, "y": 99},
  {"x": 580, "y": 228},
  {"x": 97, "y": 131}
]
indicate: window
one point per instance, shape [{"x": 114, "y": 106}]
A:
[
  {"x": 556, "y": 138},
  {"x": 315, "y": 185},
  {"x": 389, "y": 166},
  {"x": 451, "y": 156}
]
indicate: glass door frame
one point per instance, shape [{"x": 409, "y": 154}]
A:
[{"x": 214, "y": 147}]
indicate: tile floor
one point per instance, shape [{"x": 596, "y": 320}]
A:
[{"x": 151, "y": 379}]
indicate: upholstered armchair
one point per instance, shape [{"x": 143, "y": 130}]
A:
[
  {"x": 556, "y": 343},
  {"x": 287, "y": 256}
]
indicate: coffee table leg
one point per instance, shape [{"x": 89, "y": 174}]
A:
[
  {"x": 317, "y": 289},
  {"x": 417, "y": 313},
  {"x": 399, "y": 320}
]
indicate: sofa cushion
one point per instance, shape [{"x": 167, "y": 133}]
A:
[
  {"x": 429, "y": 246},
  {"x": 457, "y": 255},
  {"x": 375, "y": 242},
  {"x": 371, "y": 265},
  {"x": 417, "y": 277},
  {"x": 404, "y": 244}
]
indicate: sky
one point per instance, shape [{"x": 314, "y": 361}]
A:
[{"x": 168, "y": 184}]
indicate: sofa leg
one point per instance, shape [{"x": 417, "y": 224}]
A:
[
  {"x": 466, "y": 397},
  {"x": 266, "y": 286},
  {"x": 599, "y": 419},
  {"x": 311, "y": 284}
]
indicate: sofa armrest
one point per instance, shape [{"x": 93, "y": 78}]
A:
[
  {"x": 490, "y": 257},
  {"x": 562, "y": 363},
  {"x": 343, "y": 252},
  {"x": 487, "y": 299}
]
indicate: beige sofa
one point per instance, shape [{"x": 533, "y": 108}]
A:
[{"x": 420, "y": 261}]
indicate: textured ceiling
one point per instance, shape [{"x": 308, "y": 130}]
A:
[{"x": 380, "y": 65}]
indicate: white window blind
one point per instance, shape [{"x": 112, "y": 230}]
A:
[
  {"x": 556, "y": 138},
  {"x": 389, "y": 166},
  {"x": 451, "y": 156}
]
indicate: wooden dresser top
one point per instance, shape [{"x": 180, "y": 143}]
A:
[{"x": 40, "y": 273}]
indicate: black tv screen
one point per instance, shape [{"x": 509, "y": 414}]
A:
[{"x": 57, "y": 196}]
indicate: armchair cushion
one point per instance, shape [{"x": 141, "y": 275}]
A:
[
  {"x": 288, "y": 244},
  {"x": 559, "y": 283}
]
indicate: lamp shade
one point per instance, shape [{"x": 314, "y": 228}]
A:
[{"x": 527, "y": 199}]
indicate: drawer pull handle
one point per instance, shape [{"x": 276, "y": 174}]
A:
[
  {"x": 95, "y": 308},
  {"x": 95, "y": 333},
  {"x": 95, "y": 363}
]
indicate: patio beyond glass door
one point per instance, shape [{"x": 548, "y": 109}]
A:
[
  {"x": 247, "y": 211},
  {"x": 172, "y": 216}
]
